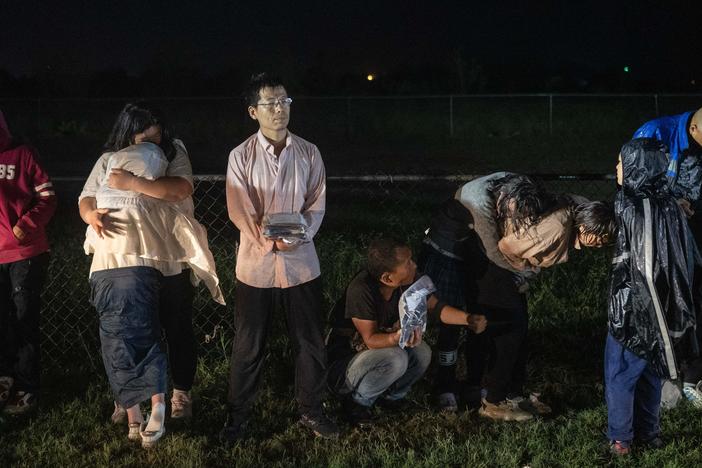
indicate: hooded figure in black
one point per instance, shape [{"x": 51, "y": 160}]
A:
[{"x": 651, "y": 303}]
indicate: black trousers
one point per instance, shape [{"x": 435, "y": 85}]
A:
[
  {"x": 501, "y": 350},
  {"x": 176, "y": 316},
  {"x": 302, "y": 307},
  {"x": 21, "y": 283}
]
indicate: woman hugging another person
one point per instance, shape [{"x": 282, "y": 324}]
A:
[{"x": 147, "y": 249}]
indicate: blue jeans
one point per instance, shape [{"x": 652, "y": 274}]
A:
[
  {"x": 633, "y": 393},
  {"x": 390, "y": 371}
]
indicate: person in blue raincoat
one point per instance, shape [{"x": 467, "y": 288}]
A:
[
  {"x": 682, "y": 135},
  {"x": 650, "y": 308}
]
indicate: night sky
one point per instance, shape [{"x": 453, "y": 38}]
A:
[{"x": 580, "y": 39}]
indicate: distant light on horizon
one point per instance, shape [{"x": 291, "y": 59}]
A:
[
  {"x": 370, "y": 77},
  {"x": 626, "y": 69}
]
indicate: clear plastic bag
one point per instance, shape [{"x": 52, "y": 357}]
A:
[
  {"x": 291, "y": 228},
  {"x": 413, "y": 308}
]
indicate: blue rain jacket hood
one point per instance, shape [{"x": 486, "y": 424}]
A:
[{"x": 650, "y": 307}]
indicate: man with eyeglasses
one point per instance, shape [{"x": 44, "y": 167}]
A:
[{"x": 276, "y": 172}]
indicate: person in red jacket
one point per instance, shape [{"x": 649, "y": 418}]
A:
[{"x": 28, "y": 202}]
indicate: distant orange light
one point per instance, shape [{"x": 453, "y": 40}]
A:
[{"x": 370, "y": 77}]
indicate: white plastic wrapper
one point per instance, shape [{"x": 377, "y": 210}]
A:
[
  {"x": 413, "y": 308},
  {"x": 291, "y": 228}
]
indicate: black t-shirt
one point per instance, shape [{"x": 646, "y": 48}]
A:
[{"x": 361, "y": 300}]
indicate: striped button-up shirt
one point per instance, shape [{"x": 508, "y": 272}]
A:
[{"x": 260, "y": 183}]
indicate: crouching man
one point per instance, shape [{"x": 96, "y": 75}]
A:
[{"x": 366, "y": 364}]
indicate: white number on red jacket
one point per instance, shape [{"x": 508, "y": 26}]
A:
[{"x": 7, "y": 171}]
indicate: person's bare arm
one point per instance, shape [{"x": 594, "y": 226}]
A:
[
  {"x": 164, "y": 188},
  {"x": 372, "y": 337}
]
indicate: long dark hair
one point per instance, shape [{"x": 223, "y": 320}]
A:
[
  {"x": 522, "y": 200},
  {"x": 596, "y": 219},
  {"x": 134, "y": 118}
]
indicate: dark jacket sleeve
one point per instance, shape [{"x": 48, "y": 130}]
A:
[{"x": 689, "y": 181}]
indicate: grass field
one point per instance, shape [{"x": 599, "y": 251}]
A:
[
  {"x": 71, "y": 426},
  {"x": 567, "y": 311},
  {"x": 567, "y": 331}
]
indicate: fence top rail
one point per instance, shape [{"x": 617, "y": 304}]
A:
[
  {"x": 351, "y": 98},
  {"x": 394, "y": 177}
]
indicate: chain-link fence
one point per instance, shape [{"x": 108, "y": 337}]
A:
[
  {"x": 358, "y": 208},
  {"x": 546, "y": 133}
]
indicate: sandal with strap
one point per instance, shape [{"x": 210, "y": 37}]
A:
[{"x": 135, "y": 430}]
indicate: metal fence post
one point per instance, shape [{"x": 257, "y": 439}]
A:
[
  {"x": 451, "y": 116},
  {"x": 348, "y": 117},
  {"x": 655, "y": 102}
]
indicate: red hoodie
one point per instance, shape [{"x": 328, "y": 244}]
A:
[{"x": 27, "y": 200}]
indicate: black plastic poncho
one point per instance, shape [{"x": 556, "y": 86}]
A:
[{"x": 651, "y": 302}]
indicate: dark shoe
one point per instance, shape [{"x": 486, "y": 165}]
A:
[
  {"x": 619, "y": 448},
  {"x": 357, "y": 415},
  {"x": 391, "y": 405},
  {"x": 20, "y": 403},
  {"x": 653, "y": 443},
  {"x": 472, "y": 396},
  {"x": 321, "y": 425},
  {"x": 232, "y": 432}
]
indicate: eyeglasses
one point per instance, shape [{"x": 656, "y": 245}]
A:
[{"x": 282, "y": 102}]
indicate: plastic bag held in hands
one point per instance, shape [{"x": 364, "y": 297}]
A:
[
  {"x": 413, "y": 308},
  {"x": 288, "y": 227}
]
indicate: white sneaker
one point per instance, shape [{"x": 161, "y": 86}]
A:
[{"x": 694, "y": 395}]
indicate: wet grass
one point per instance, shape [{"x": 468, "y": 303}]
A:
[
  {"x": 567, "y": 330},
  {"x": 71, "y": 426}
]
